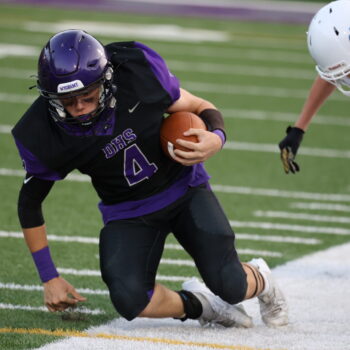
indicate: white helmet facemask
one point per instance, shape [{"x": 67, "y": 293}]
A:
[
  {"x": 343, "y": 85},
  {"x": 329, "y": 43}
]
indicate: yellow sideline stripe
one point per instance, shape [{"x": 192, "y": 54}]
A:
[{"x": 63, "y": 333}]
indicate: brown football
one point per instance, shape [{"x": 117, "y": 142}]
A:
[{"x": 173, "y": 128}]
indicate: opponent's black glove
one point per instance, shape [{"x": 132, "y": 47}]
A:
[{"x": 289, "y": 148}]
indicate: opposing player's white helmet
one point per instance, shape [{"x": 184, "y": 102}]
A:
[{"x": 328, "y": 41}]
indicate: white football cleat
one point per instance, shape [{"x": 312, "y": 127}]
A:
[
  {"x": 216, "y": 310},
  {"x": 273, "y": 304}
]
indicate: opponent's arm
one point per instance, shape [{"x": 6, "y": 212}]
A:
[
  {"x": 289, "y": 146},
  {"x": 211, "y": 141},
  {"x": 319, "y": 92},
  {"x": 56, "y": 289}
]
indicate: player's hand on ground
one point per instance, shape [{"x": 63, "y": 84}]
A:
[
  {"x": 289, "y": 148},
  {"x": 60, "y": 295},
  {"x": 208, "y": 144}
]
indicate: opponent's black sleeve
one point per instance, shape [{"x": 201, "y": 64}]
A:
[
  {"x": 31, "y": 195},
  {"x": 213, "y": 119}
]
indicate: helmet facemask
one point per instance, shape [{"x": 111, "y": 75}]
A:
[
  {"x": 343, "y": 85},
  {"x": 106, "y": 100},
  {"x": 340, "y": 78}
]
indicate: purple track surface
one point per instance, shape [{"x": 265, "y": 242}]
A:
[{"x": 234, "y": 11}]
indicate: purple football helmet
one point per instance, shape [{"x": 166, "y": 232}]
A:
[{"x": 73, "y": 63}]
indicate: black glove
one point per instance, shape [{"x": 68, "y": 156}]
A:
[{"x": 289, "y": 148}]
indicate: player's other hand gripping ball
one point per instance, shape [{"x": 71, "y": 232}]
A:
[{"x": 173, "y": 128}]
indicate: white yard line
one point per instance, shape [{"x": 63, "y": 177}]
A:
[
  {"x": 286, "y": 227},
  {"x": 234, "y": 69},
  {"x": 271, "y": 192},
  {"x": 54, "y": 238},
  {"x": 280, "y": 239},
  {"x": 320, "y": 206},
  {"x": 176, "y": 262},
  {"x": 257, "y": 237},
  {"x": 280, "y": 116},
  {"x": 260, "y": 147},
  {"x": 39, "y": 288},
  {"x": 250, "y": 90},
  {"x": 7, "y": 50},
  {"x": 301, "y": 216},
  {"x": 256, "y": 253},
  {"x": 249, "y": 54},
  {"x": 268, "y": 192},
  {"x": 171, "y": 246},
  {"x": 273, "y": 148},
  {"x": 179, "y": 262},
  {"x": 5, "y": 129},
  {"x": 168, "y": 33},
  {"x": 209, "y": 88},
  {"x": 21, "y": 173},
  {"x": 227, "y": 53},
  {"x": 97, "y": 273},
  {"x": 43, "y": 308},
  {"x": 162, "y": 32},
  {"x": 260, "y": 115},
  {"x": 17, "y": 98},
  {"x": 201, "y": 67},
  {"x": 319, "y": 316}
]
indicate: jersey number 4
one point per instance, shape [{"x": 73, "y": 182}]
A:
[{"x": 136, "y": 166}]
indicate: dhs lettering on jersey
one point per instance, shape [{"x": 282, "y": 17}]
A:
[{"x": 119, "y": 143}]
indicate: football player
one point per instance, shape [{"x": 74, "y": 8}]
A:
[
  {"x": 99, "y": 111},
  {"x": 328, "y": 43}
]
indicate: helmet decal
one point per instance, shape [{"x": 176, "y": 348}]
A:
[{"x": 70, "y": 86}]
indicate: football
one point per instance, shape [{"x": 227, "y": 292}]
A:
[{"x": 173, "y": 128}]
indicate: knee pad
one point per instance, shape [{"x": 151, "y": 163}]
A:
[
  {"x": 230, "y": 284},
  {"x": 234, "y": 283},
  {"x": 129, "y": 297}
]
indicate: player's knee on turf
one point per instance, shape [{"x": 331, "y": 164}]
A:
[
  {"x": 129, "y": 296},
  {"x": 231, "y": 284},
  {"x": 234, "y": 283}
]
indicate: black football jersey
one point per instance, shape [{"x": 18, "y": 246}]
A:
[{"x": 121, "y": 152}]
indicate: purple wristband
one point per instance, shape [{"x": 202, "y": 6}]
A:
[
  {"x": 44, "y": 264},
  {"x": 221, "y": 134}
]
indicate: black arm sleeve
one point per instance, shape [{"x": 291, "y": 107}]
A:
[
  {"x": 31, "y": 195},
  {"x": 213, "y": 119}
]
